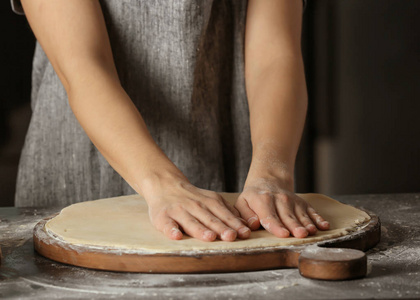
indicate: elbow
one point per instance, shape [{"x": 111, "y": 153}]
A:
[{"x": 86, "y": 77}]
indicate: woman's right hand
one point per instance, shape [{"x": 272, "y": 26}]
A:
[{"x": 177, "y": 206}]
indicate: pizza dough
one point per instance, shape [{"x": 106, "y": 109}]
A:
[{"x": 123, "y": 223}]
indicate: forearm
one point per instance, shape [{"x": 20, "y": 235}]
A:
[
  {"x": 277, "y": 103},
  {"x": 275, "y": 85},
  {"x": 117, "y": 129},
  {"x": 277, "y": 100},
  {"x": 74, "y": 37}
]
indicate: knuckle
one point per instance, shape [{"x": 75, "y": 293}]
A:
[
  {"x": 232, "y": 222},
  {"x": 285, "y": 199},
  {"x": 311, "y": 210},
  {"x": 176, "y": 207},
  {"x": 198, "y": 205},
  {"x": 194, "y": 225},
  {"x": 305, "y": 221},
  {"x": 269, "y": 221},
  {"x": 213, "y": 196},
  {"x": 231, "y": 219},
  {"x": 291, "y": 217},
  {"x": 303, "y": 205},
  {"x": 208, "y": 199},
  {"x": 194, "y": 221},
  {"x": 305, "y": 218},
  {"x": 220, "y": 200},
  {"x": 216, "y": 201},
  {"x": 301, "y": 214},
  {"x": 265, "y": 198},
  {"x": 269, "y": 218},
  {"x": 214, "y": 220},
  {"x": 217, "y": 196}
]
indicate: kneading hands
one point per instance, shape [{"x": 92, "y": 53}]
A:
[{"x": 74, "y": 37}]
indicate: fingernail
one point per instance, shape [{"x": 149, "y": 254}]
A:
[
  {"x": 228, "y": 234},
  {"x": 174, "y": 230},
  {"x": 301, "y": 228},
  {"x": 252, "y": 220},
  {"x": 325, "y": 224},
  {"x": 310, "y": 227},
  {"x": 244, "y": 230},
  {"x": 208, "y": 234},
  {"x": 176, "y": 233},
  {"x": 286, "y": 232}
]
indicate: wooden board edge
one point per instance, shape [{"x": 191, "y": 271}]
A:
[{"x": 283, "y": 257}]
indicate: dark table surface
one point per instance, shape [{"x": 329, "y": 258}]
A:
[{"x": 395, "y": 263}]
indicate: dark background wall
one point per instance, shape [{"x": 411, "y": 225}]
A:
[
  {"x": 362, "y": 61},
  {"x": 16, "y": 50}
]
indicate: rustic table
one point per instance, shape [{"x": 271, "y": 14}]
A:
[{"x": 395, "y": 263}]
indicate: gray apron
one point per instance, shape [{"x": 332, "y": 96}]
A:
[{"x": 182, "y": 64}]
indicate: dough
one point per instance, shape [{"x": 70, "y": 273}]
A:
[{"x": 123, "y": 223}]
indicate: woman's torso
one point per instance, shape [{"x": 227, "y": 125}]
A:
[{"x": 182, "y": 64}]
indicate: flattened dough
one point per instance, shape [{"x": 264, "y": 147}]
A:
[{"x": 123, "y": 223}]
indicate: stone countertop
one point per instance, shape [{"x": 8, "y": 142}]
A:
[{"x": 395, "y": 266}]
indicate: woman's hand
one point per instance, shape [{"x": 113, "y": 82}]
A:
[
  {"x": 177, "y": 205},
  {"x": 267, "y": 201},
  {"x": 277, "y": 100}
]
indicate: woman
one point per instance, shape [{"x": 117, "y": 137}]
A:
[{"x": 181, "y": 67}]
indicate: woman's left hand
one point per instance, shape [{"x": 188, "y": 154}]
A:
[{"x": 267, "y": 201}]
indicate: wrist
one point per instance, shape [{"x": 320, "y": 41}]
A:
[
  {"x": 155, "y": 182},
  {"x": 270, "y": 163},
  {"x": 284, "y": 180}
]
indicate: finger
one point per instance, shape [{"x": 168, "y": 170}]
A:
[
  {"x": 225, "y": 215},
  {"x": 171, "y": 229},
  {"x": 232, "y": 209},
  {"x": 194, "y": 228},
  {"x": 211, "y": 221},
  {"x": 213, "y": 196},
  {"x": 285, "y": 209},
  {"x": 291, "y": 222},
  {"x": 319, "y": 221},
  {"x": 266, "y": 211},
  {"x": 248, "y": 214},
  {"x": 305, "y": 220}
]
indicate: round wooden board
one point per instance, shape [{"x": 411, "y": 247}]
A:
[{"x": 198, "y": 262}]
